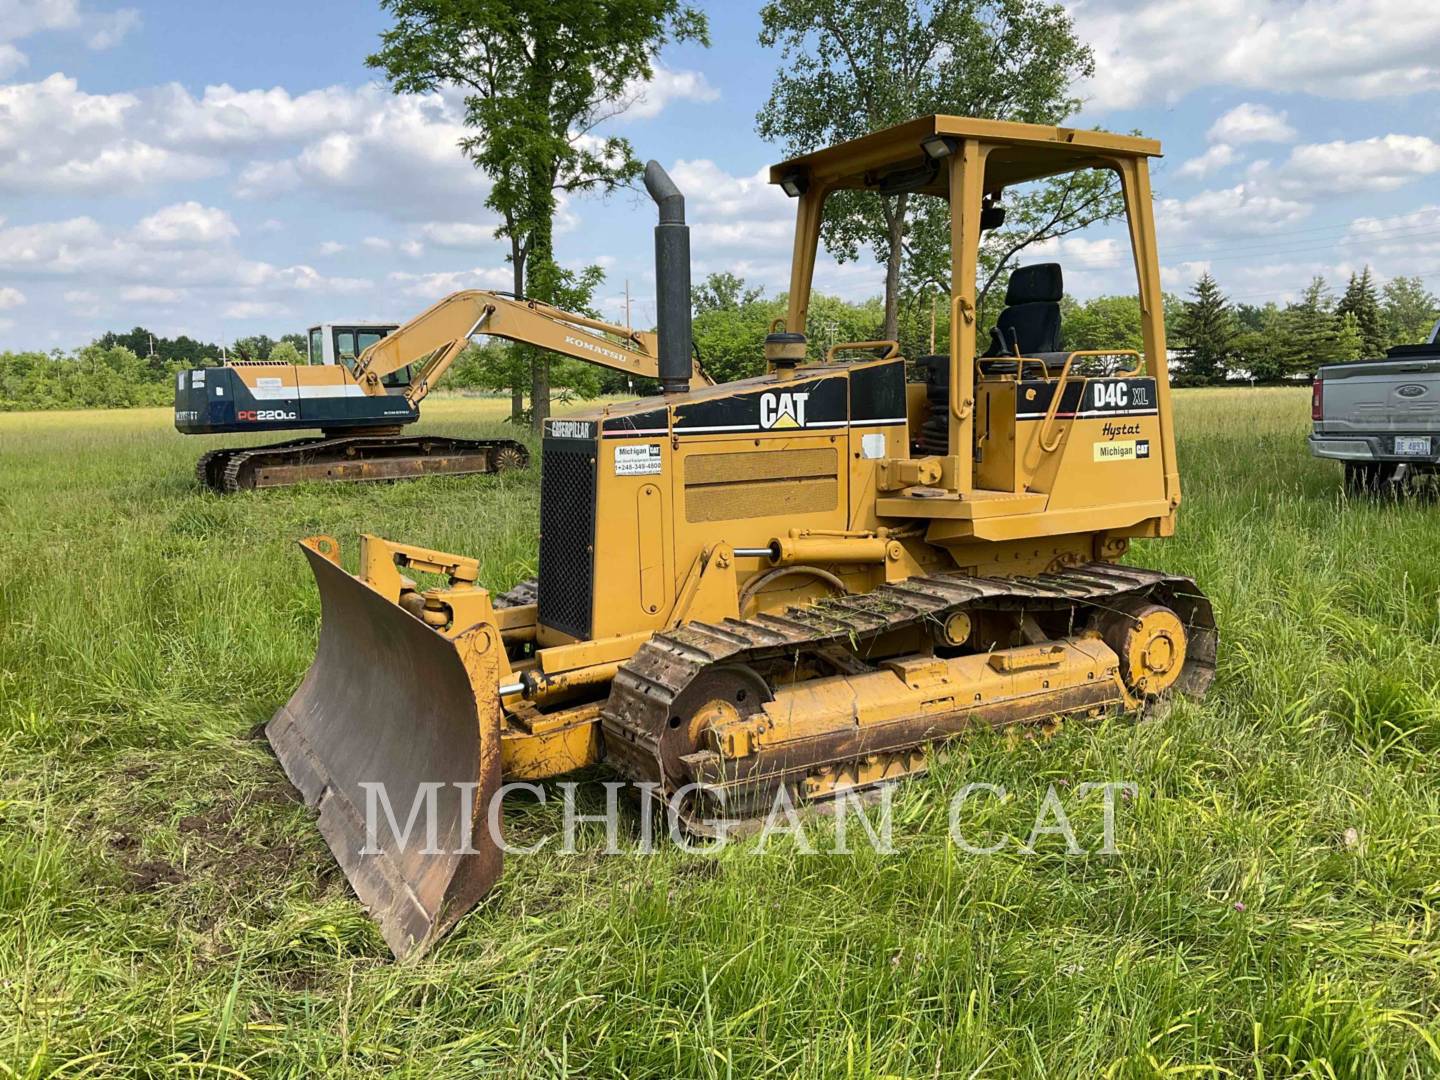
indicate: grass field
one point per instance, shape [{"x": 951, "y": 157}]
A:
[{"x": 166, "y": 908}]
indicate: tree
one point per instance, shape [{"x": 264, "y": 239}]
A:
[
  {"x": 1315, "y": 331},
  {"x": 254, "y": 347},
  {"x": 848, "y": 68},
  {"x": 1207, "y": 331},
  {"x": 1349, "y": 340},
  {"x": 1410, "y": 311},
  {"x": 1104, "y": 322},
  {"x": 1262, "y": 348},
  {"x": 1361, "y": 303},
  {"x": 539, "y": 78},
  {"x": 723, "y": 291},
  {"x": 285, "y": 352}
]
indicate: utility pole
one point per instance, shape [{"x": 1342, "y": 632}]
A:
[
  {"x": 934, "y": 297},
  {"x": 627, "y": 303}
]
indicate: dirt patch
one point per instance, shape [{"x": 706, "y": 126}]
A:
[
  {"x": 149, "y": 874},
  {"x": 279, "y": 794},
  {"x": 209, "y": 825}
]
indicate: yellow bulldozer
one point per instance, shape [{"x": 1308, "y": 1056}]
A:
[{"x": 798, "y": 584}]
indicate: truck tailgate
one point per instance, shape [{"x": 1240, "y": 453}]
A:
[{"x": 1380, "y": 396}]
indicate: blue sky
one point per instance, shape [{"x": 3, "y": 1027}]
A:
[{"x": 225, "y": 169}]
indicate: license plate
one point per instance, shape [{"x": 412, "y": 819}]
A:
[{"x": 1413, "y": 444}]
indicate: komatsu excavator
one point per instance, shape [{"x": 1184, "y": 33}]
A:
[
  {"x": 795, "y": 585},
  {"x": 360, "y": 403}
]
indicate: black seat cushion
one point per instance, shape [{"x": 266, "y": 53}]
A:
[
  {"x": 1030, "y": 322},
  {"x": 1041, "y": 282},
  {"x": 1033, "y": 327}
]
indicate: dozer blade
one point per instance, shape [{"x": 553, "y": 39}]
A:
[{"x": 390, "y": 705}]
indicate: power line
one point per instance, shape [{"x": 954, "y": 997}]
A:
[{"x": 1245, "y": 249}]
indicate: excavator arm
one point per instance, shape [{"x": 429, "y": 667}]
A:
[{"x": 434, "y": 338}]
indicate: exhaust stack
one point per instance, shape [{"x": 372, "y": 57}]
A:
[{"x": 672, "y": 280}]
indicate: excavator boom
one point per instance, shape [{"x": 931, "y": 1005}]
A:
[{"x": 435, "y": 338}]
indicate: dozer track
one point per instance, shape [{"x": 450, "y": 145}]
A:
[
  {"x": 646, "y": 718},
  {"x": 355, "y": 458}
]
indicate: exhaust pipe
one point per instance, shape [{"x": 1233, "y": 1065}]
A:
[{"x": 672, "y": 280}]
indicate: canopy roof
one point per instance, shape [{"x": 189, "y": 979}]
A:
[{"x": 1023, "y": 152}]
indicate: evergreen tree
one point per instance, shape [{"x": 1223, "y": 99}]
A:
[
  {"x": 1361, "y": 302},
  {"x": 1206, "y": 332},
  {"x": 1314, "y": 329}
]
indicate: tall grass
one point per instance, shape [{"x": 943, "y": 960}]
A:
[{"x": 166, "y": 908}]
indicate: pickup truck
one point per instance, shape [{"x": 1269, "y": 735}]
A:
[{"x": 1381, "y": 417}]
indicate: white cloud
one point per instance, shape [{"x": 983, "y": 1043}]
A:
[
  {"x": 459, "y": 234},
  {"x": 55, "y": 137},
  {"x": 648, "y": 99},
  {"x": 726, "y": 211},
  {"x": 412, "y": 248},
  {"x": 109, "y": 30},
  {"x": 1243, "y": 210},
  {"x": 1406, "y": 236},
  {"x": 11, "y": 60},
  {"x": 1181, "y": 276},
  {"x": 331, "y": 247},
  {"x": 1377, "y": 164},
  {"x": 10, "y": 298},
  {"x": 1216, "y": 157},
  {"x": 151, "y": 294},
  {"x": 100, "y": 261},
  {"x": 20, "y": 19},
  {"x": 224, "y": 116},
  {"x": 1332, "y": 48},
  {"x": 1247, "y": 123},
  {"x": 1081, "y": 252},
  {"x": 254, "y": 309},
  {"x": 376, "y": 243},
  {"x": 186, "y": 224},
  {"x": 434, "y": 286},
  {"x": 401, "y": 158}
]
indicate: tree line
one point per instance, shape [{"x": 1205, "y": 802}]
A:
[
  {"x": 1212, "y": 340},
  {"x": 125, "y": 369},
  {"x": 1218, "y": 340}
]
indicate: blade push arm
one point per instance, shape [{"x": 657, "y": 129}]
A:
[{"x": 435, "y": 338}]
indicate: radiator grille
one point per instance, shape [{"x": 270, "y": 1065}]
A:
[
  {"x": 760, "y": 483},
  {"x": 567, "y": 535}
]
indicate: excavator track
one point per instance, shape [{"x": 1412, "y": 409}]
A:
[
  {"x": 210, "y": 469},
  {"x": 356, "y": 458},
  {"x": 655, "y": 691}
]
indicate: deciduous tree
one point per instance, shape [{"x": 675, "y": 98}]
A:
[
  {"x": 849, "y": 68},
  {"x": 1409, "y": 312},
  {"x": 540, "y": 78}
]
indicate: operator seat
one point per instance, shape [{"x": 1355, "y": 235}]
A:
[
  {"x": 1029, "y": 321},
  {"x": 1029, "y": 325}
]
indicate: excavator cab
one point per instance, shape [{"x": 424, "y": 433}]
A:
[{"x": 793, "y": 585}]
